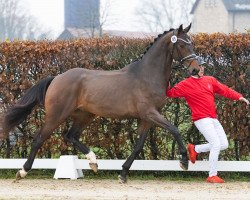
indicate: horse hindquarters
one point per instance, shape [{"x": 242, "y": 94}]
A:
[{"x": 60, "y": 103}]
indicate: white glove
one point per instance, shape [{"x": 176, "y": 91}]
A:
[{"x": 245, "y": 100}]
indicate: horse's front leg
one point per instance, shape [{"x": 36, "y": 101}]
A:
[
  {"x": 155, "y": 117},
  {"x": 142, "y": 130}
]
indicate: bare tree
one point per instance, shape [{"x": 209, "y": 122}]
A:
[
  {"x": 96, "y": 19},
  {"x": 15, "y": 23},
  {"x": 91, "y": 18},
  {"x": 105, "y": 17},
  {"x": 160, "y": 15}
]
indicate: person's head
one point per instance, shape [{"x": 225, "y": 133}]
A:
[{"x": 199, "y": 73}]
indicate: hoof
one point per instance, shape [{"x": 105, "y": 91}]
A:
[
  {"x": 122, "y": 179},
  {"x": 94, "y": 166},
  {"x": 18, "y": 176},
  {"x": 184, "y": 165}
]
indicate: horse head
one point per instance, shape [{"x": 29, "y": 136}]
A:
[{"x": 183, "y": 51}]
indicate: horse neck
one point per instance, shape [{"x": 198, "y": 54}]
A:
[{"x": 156, "y": 64}]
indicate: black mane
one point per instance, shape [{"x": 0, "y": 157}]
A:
[{"x": 151, "y": 44}]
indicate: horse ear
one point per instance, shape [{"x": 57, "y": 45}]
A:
[
  {"x": 188, "y": 28},
  {"x": 180, "y": 29}
]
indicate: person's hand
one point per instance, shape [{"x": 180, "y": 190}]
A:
[
  {"x": 169, "y": 86},
  {"x": 244, "y": 99}
]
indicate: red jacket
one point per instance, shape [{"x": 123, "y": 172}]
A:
[{"x": 199, "y": 94}]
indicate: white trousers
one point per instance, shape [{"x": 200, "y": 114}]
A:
[{"x": 214, "y": 133}]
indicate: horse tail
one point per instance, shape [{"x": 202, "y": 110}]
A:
[{"x": 24, "y": 106}]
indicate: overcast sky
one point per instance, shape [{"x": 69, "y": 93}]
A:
[{"x": 49, "y": 14}]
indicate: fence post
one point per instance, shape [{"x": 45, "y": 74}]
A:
[{"x": 66, "y": 168}]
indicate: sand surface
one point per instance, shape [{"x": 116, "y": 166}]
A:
[{"x": 111, "y": 189}]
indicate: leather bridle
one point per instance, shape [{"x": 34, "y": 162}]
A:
[{"x": 180, "y": 60}]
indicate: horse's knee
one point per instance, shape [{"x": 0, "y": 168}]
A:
[{"x": 66, "y": 137}]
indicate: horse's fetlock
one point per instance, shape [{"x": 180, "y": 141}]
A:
[
  {"x": 23, "y": 172},
  {"x": 91, "y": 157}
]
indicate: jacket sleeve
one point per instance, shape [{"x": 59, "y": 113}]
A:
[
  {"x": 175, "y": 91},
  {"x": 225, "y": 91}
]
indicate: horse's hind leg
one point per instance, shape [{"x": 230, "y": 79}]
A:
[
  {"x": 56, "y": 113},
  {"x": 42, "y": 135},
  {"x": 81, "y": 119}
]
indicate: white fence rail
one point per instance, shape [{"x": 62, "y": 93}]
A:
[
  {"x": 157, "y": 165},
  {"x": 67, "y": 163}
]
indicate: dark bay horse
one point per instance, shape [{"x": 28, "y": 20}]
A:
[{"x": 136, "y": 91}]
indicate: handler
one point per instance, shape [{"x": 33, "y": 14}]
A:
[{"x": 199, "y": 91}]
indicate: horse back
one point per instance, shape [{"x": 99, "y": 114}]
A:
[{"x": 103, "y": 93}]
